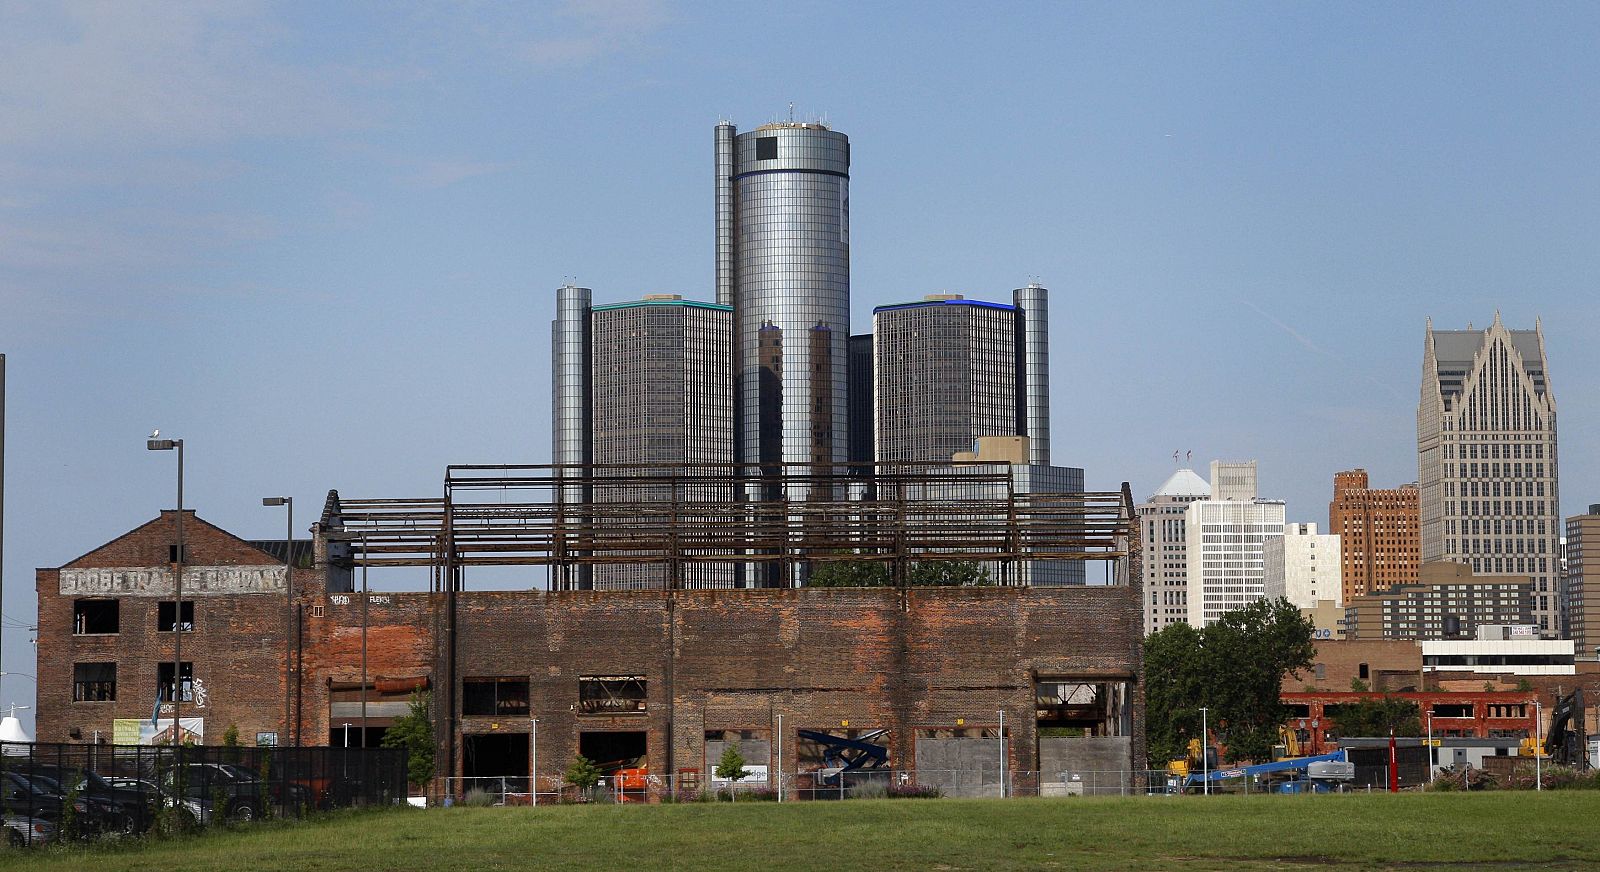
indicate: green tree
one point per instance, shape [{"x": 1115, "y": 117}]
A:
[
  {"x": 1359, "y": 686},
  {"x": 953, "y": 573},
  {"x": 731, "y": 766},
  {"x": 1236, "y": 668},
  {"x": 583, "y": 774},
  {"x": 849, "y": 573},
  {"x": 413, "y": 731},
  {"x": 1376, "y": 717},
  {"x": 230, "y": 737},
  {"x": 1174, "y": 691}
]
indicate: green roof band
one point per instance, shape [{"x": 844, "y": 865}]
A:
[{"x": 694, "y": 303}]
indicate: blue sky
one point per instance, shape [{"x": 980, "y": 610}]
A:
[{"x": 320, "y": 241}]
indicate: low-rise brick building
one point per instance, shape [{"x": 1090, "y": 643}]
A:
[
  {"x": 1499, "y": 714},
  {"x": 657, "y": 678}
]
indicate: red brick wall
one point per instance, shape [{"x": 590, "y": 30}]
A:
[
  {"x": 236, "y": 647},
  {"x": 874, "y": 658}
]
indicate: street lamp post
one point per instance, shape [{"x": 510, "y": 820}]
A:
[
  {"x": 1433, "y": 755},
  {"x": 365, "y": 600},
  {"x": 155, "y": 444},
  {"x": 1538, "y": 745},
  {"x": 1205, "y": 756},
  {"x": 288, "y": 611}
]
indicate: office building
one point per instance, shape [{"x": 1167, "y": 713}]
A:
[
  {"x": 1166, "y": 548},
  {"x": 648, "y": 383},
  {"x": 1379, "y": 545},
  {"x": 783, "y": 265},
  {"x": 1486, "y": 459},
  {"x": 1449, "y": 601},
  {"x": 948, "y": 371},
  {"x": 1226, "y": 542},
  {"x": 1013, "y": 455},
  {"x": 1301, "y": 566},
  {"x": 1582, "y": 580}
]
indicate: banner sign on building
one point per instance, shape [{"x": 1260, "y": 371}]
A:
[
  {"x": 139, "y": 731},
  {"x": 157, "y": 581}
]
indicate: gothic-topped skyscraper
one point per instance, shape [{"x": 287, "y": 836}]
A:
[{"x": 1486, "y": 458}]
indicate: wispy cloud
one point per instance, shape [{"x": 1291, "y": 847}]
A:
[
  {"x": 1293, "y": 333},
  {"x": 153, "y": 73},
  {"x": 1306, "y": 343},
  {"x": 444, "y": 173},
  {"x": 585, "y": 30}
]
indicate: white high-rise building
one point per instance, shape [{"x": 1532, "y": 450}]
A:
[
  {"x": 1166, "y": 548},
  {"x": 1302, "y": 566},
  {"x": 1486, "y": 459},
  {"x": 1226, "y": 538}
]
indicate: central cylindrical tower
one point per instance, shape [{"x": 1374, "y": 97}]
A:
[{"x": 791, "y": 277}]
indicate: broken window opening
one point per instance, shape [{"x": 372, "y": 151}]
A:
[
  {"x": 611, "y": 694},
  {"x": 91, "y": 617}
]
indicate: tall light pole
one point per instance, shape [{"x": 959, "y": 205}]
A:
[
  {"x": 155, "y": 444},
  {"x": 288, "y": 610},
  {"x": 1538, "y": 744},
  {"x": 1205, "y": 755},
  {"x": 3, "y": 494},
  {"x": 1433, "y": 756},
  {"x": 364, "y": 601}
]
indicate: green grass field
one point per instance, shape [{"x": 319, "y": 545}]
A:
[{"x": 1492, "y": 830}]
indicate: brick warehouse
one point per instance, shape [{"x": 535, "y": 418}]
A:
[{"x": 664, "y": 676}]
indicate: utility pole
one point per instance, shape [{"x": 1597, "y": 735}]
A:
[{"x": 3, "y": 505}]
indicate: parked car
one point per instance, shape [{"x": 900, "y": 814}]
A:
[
  {"x": 132, "y": 810},
  {"x": 96, "y": 814},
  {"x": 24, "y": 832},
  {"x": 196, "y": 810},
  {"x": 26, "y": 798},
  {"x": 241, "y": 791}
]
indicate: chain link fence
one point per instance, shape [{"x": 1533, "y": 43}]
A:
[
  {"x": 819, "y": 785},
  {"x": 74, "y": 792}
]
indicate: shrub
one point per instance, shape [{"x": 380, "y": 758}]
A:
[
  {"x": 477, "y": 797},
  {"x": 413, "y": 731},
  {"x": 583, "y": 774},
  {"x": 870, "y": 790},
  {"x": 914, "y": 791}
]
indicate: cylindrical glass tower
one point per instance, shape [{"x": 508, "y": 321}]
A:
[
  {"x": 1032, "y": 303},
  {"x": 791, "y": 278},
  {"x": 570, "y": 403}
]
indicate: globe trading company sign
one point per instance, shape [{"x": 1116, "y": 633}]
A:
[{"x": 153, "y": 581}]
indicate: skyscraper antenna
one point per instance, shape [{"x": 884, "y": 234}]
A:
[{"x": 791, "y": 111}]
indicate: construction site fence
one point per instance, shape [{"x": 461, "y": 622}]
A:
[
  {"x": 94, "y": 791},
  {"x": 802, "y": 786}
]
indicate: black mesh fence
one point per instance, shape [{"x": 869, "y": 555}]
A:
[{"x": 64, "y": 792}]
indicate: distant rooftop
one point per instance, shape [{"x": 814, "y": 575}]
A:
[
  {"x": 803, "y": 125},
  {"x": 662, "y": 300},
  {"x": 944, "y": 300},
  {"x": 1184, "y": 483}
]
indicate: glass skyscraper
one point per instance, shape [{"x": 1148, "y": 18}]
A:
[
  {"x": 783, "y": 263},
  {"x": 948, "y": 370}
]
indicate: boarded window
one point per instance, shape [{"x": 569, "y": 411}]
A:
[
  {"x": 494, "y": 697},
  {"x": 91, "y": 617},
  {"x": 94, "y": 682},
  {"x": 611, "y": 694}
]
